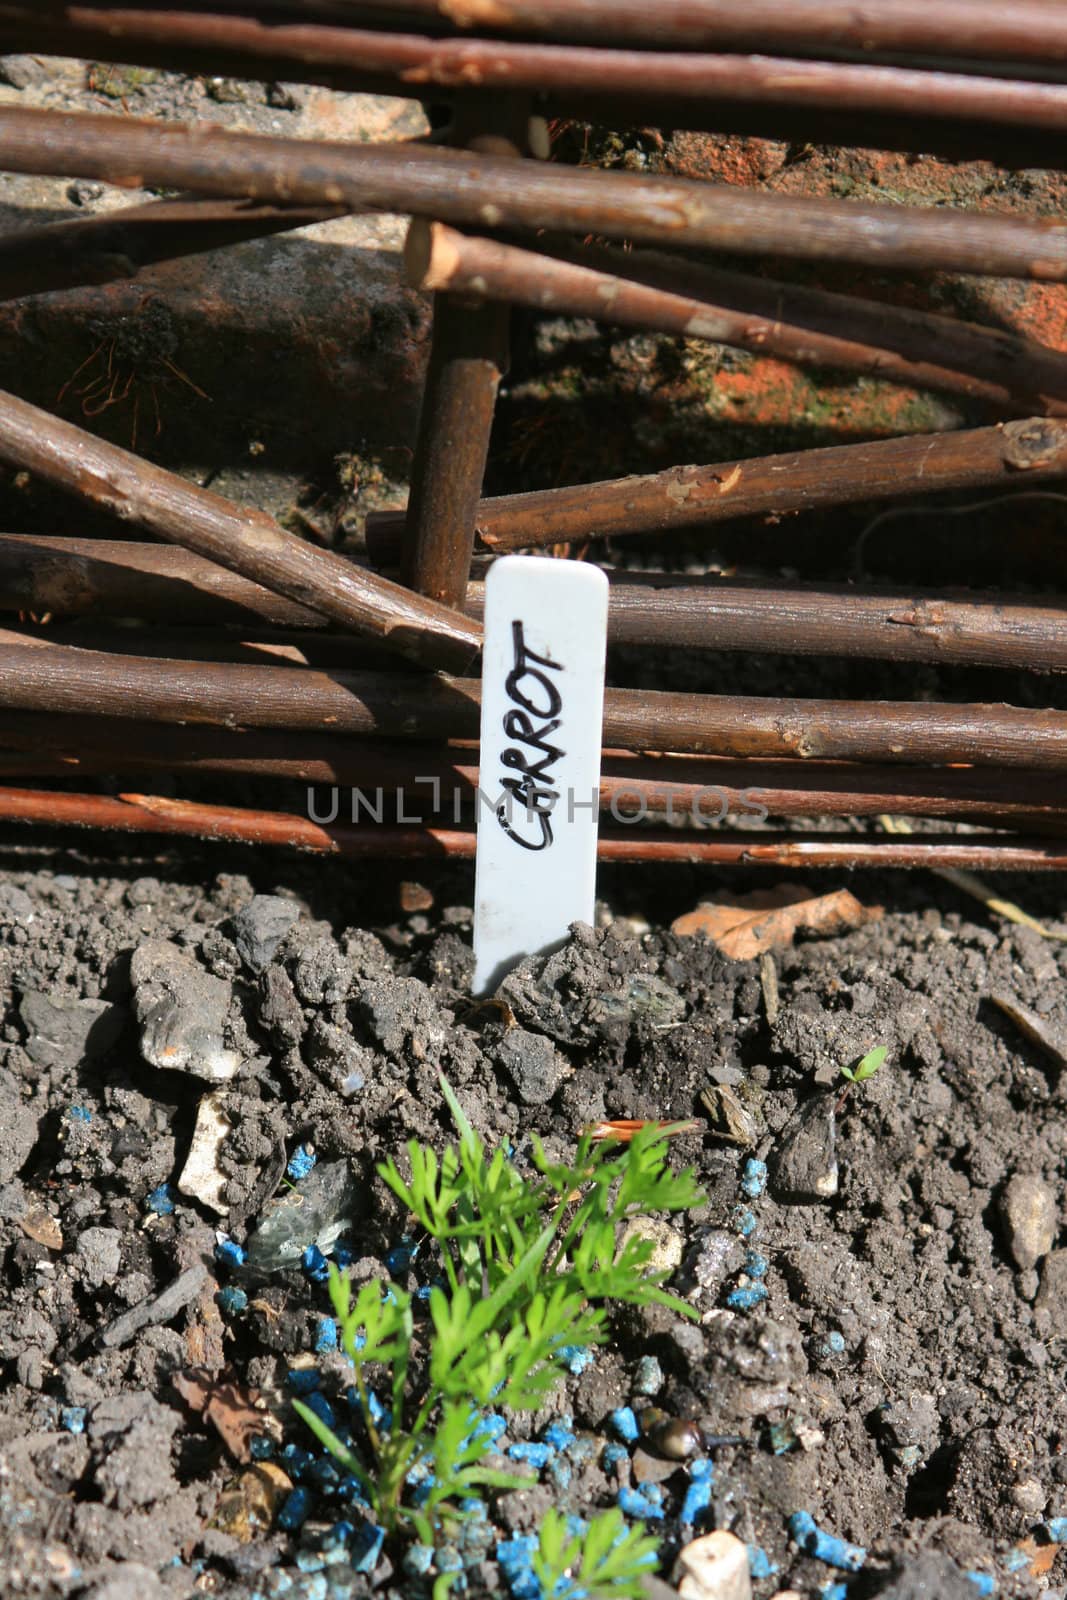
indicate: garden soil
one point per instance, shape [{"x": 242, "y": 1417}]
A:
[{"x": 902, "y": 1382}]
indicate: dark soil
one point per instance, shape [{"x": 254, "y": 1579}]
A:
[{"x": 902, "y": 1382}]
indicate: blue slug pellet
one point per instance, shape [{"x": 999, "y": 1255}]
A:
[
  {"x": 632, "y": 1503},
  {"x": 747, "y": 1297},
  {"x": 760, "y": 1564},
  {"x": 366, "y": 1547},
  {"x": 320, "y": 1407},
  {"x": 825, "y": 1547},
  {"x": 315, "y": 1264},
  {"x": 754, "y": 1177},
  {"x": 697, "y": 1500},
  {"x": 295, "y": 1511},
  {"x": 300, "y": 1163},
  {"x": 161, "y": 1200},
  {"x": 325, "y": 1336},
  {"x": 625, "y": 1424},
  {"x": 303, "y": 1380},
  {"x": 984, "y": 1582},
  {"x": 532, "y": 1455}
]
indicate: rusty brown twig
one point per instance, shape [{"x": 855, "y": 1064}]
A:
[
  {"x": 683, "y": 498},
  {"x": 151, "y": 814},
  {"x": 687, "y": 87},
  {"x": 1032, "y": 30},
  {"x": 55, "y": 678},
  {"x": 483, "y": 190},
  {"x": 992, "y": 630},
  {"x": 246, "y": 541},
  {"x": 44, "y": 573},
  {"x": 64, "y": 578},
  {"x": 468, "y": 356},
  {"x": 645, "y": 289},
  {"x": 440, "y": 781}
]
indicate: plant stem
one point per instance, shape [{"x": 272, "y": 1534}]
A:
[{"x": 364, "y": 1400}]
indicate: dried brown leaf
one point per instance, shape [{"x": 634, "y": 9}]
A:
[
  {"x": 235, "y": 1411},
  {"x": 744, "y": 926}
]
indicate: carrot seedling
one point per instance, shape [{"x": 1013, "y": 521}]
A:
[
  {"x": 861, "y": 1072},
  {"x": 528, "y": 1262}
]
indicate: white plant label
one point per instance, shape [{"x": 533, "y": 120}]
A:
[{"x": 542, "y": 715}]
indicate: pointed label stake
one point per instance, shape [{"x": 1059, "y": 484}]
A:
[{"x": 542, "y": 715}]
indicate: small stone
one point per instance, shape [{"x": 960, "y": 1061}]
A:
[
  {"x": 202, "y": 1177},
  {"x": 912, "y": 1424},
  {"x": 734, "y": 1113},
  {"x": 315, "y": 1214},
  {"x": 182, "y": 1012},
  {"x": 260, "y": 927},
  {"x": 689, "y": 1344},
  {"x": 1052, "y": 1295},
  {"x": 1029, "y": 1496},
  {"x": 647, "y": 1468},
  {"x": 62, "y": 1031},
  {"x": 644, "y": 996},
  {"x": 98, "y": 1256},
  {"x": 16, "y": 907},
  {"x": 648, "y": 1379},
  {"x": 279, "y": 1010},
  {"x": 714, "y": 1567},
  {"x": 716, "y": 1256},
  {"x": 79, "y": 193},
  {"x": 533, "y": 1064},
  {"x": 805, "y": 1161},
  {"x": 42, "y": 1227},
  {"x": 667, "y": 1243},
  {"x": 415, "y": 897},
  {"x": 29, "y": 1368},
  {"x": 1028, "y": 1212},
  {"x": 227, "y": 91},
  {"x": 334, "y": 1054}
]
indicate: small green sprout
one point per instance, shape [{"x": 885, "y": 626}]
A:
[
  {"x": 528, "y": 1262},
  {"x": 861, "y": 1072},
  {"x": 867, "y": 1067},
  {"x": 606, "y": 1561}
]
